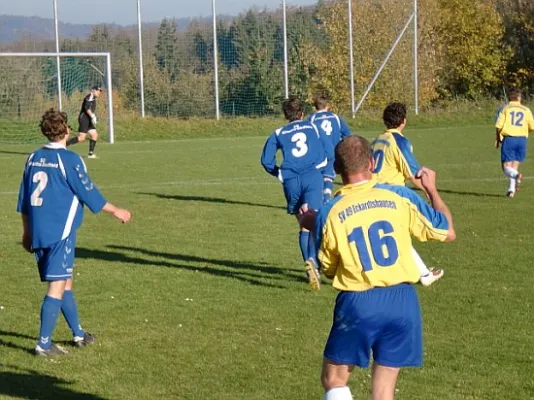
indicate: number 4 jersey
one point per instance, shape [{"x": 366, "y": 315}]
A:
[
  {"x": 54, "y": 188},
  {"x": 364, "y": 235}
]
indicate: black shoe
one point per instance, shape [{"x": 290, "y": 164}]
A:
[
  {"x": 54, "y": 350},
  {"x": 79, "y": 341}
]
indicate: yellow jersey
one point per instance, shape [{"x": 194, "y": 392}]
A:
[
  {"x": 515, "y": 120},
  {"x": 364, "y": 235},
  {"x": 394, "y": 159}
]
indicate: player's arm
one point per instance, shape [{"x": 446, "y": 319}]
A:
[
  {"x": 499, "y": 125},
  {"x": 408, "y": 165},
  {"x": 530, "y": 121},
  {"x": 26, "y": 233},
  {"x": 345, "y": 129},
  {"x": 23, "y": 207},
  {"x": 268, "y": 155},
  {"x": 119, "y": 213}
]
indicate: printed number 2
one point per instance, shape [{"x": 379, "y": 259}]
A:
[
  {"x": 42, "y": 179},
  {"x": 378, "y": 156},
  {"x": 383, "y": 245},
  {"x": 519, "y": 120},
  {"x": 326, "y": 126},
  {"x": 299, "y": 139}
]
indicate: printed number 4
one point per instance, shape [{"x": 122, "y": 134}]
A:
[
  {"x": 517, "y": 118},
  {"x": 326, "y": 126},
  {"x": 299, "y": 139},
  {"x": 42, "y": 179},
  {"x": 383, "y": 245}
]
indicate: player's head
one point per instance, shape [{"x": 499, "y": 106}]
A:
[
  {"x": 514, "y": 94},
  {"x": 394, "y": 115},
  {"x": 353, "y": 157},
  {"x": 97, "y": 90},
  {"x": 54, "y": 125},
  {"x": 292, "y": 108},
  {"x": 321, "y": 102}
]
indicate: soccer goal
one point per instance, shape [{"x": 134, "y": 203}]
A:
[{"x": 31, "y": 83}]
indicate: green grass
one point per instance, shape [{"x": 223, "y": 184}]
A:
[{"x": 203, "y": 295}]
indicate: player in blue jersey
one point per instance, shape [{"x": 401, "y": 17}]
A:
[
  {"x": 304, "y": 157},
  {"x": 335, "y": 129},
  {"x": 364, "y": 241},
  {"x": 54, "y": 190}
]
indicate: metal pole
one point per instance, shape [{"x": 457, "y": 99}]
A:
[
  {"x": 415, "y": 59},
  {"x": 384, "y": 63},
  {"x": 58, "y": 62},
  {"x": 141, "y": 71},
  {"x": 110, "y": 99},
  {"x": 286, "y": 73},
  {"x": 215, "y": 61},
  {"x": 351, "y": 55}
]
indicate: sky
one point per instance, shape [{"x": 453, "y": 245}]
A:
[{"x": 124, "y": 12}]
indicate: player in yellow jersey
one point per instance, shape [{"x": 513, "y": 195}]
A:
[
  {"x": 395, "y": 163},
  {"x": 364, "y": 241},
  {"x": 514, "y": 121}
]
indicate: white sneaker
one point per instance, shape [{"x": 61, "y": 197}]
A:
[
  {"x": 430, "y": 278},
  {"x": 92, "y": 156},
  {"x": 510, "y": 194}
]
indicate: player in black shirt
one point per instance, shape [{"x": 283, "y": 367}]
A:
[{"x": 87, "y": 121}]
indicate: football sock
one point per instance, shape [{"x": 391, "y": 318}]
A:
[
  {"x": 72, "y": 141},
  {"x": 327, "y": 191},
  {"x": 304, "y": 237},
  {"x": 70, "y": 312},
  {"x": 423, "y": 270},
  {"x": 510, "y": 172},
  {"x": 338, "y": 393},
  {"x": 49, "y": 313},
  {"x": 511, "y": 186},
  {"x": 312, "y": 251},
  {"x": 92, "y": 145}
]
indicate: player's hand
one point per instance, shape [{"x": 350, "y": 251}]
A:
[
  {"x": 27, "y": 242},
  {"x": 497, "y": 144},
  {"x": 122, "y": 215},
  {"x": 93, "y": 119},
  {"x": 428, "y": 179}
]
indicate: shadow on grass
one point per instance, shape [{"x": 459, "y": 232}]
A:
[
  {"x": 29, "y": 384},
  {"x": 25, "y": 153},
  {"x": 4, "y": 343},
  {"x": 209, "y": 200},
  {"x": 250, "y": 273},
  {"x": 475, "y": 194}
]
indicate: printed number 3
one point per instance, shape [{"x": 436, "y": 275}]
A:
[
  {"x": 383, "y": 245},
  {"x": 300, "y": 141},
  {"x": 42, "y": 179}
]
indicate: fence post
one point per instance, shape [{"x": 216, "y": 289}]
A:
[
  {"x": 351, "y": 55},
  {"x": 215, "y": 61},
  {"x": 286, "y": 74},
  {"x": 58, "y": 62},
  {"x": 415, "y": 59},
  {"x": 141, "y": 70}
]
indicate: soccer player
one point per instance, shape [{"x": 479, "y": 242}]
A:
[
  {"x": 87, "y": 121},
  {"x": 394, "y": 163},
  {"x": 363, "y": 237},
  {"x": 514, "y": 122},
  {"x": 335, "y": 128},
  {"x": 304, "y": 157},
  {"x": 54, "y": 190}
]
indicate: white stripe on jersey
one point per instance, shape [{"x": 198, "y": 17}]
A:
[
  {"x": 70, "y": 218},
  {"x": 61, "y": 166}
]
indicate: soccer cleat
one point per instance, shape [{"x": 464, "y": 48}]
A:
[
  {"x": 518, "y": 180},
  {"x": 54, "y": 350},
  {"x": 510, "y": 194},
  {"x": 431, "y": 277},
  {"x": 79, "y": 341},
  {"x": 312, "y": 272},
  {"x": 92, "y": 155}
]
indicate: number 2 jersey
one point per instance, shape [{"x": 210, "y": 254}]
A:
[
  {"x": 303, "y": 148},
  {"x": 364, "y": 235},
  {"x": 54, "y": 188}
]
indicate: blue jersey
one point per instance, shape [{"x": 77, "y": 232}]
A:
[
  {"x": 302, "y": 146},
  {"x": 54, "y": 188},
  {"x": 332, "y": 126}
]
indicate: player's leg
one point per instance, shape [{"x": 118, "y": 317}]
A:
[
  {"x": 312, "y": 196},
  {"x": 328, "y": 182},
  {"x": 334, "y": 378},
  {"x": 384, "y": 380},
  {"x": 509, "y": 157},
  {"x": 83, "y": 128},
  {"x": 428, "y": 277},
  {"x": 50, "y": 309},
  {"x": 93, "y": 137}
]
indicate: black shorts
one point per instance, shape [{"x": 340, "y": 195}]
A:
[{"x": 85, "y": 124}]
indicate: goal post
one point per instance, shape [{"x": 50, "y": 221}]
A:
[{"x": 29, "y": 85}]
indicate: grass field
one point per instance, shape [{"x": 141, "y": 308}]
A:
[{"x": 203, "y": 295}]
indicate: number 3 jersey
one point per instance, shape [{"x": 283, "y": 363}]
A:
[
  {"x": 302, "y": 146},
  {"x": 54, "y": 188},
  {"x": 364, "y": 235}
]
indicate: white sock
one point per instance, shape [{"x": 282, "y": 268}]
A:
[
  {"x": 510, "y": 173},
  {"x": 423, "y": 270},
  {"x": 338, "y": 393},
  {"x": 511, "y": 186}
]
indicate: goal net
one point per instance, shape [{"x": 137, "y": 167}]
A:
[{"x": 31, "y": 83}]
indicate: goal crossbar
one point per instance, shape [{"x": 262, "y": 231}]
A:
[{"x": 72, "y": 54}]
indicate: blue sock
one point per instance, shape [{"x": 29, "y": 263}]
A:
[
  {"x": 70, "y": 312},
  {"x": 328, "y": 188},
  {"x": 312, "y": 251},
  {"x": 49, "y": 313},
  {"x": 304, "y": 237}
]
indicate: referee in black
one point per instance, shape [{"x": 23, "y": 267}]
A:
[{"x": 87, "y": 121}]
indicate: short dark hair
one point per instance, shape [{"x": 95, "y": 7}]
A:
[
  {"x": 352, "y": 155},
  {"x": 97, "y": 88},
  {"x": 394, "y": 115},
  {"x": 514, "y": 94},
  {"x": 291, "y": 107},
  {"x": 54, "y": 125},
  {"x": 321, "y": 102}
]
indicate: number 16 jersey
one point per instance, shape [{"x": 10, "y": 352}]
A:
[{"x": 54, "y": 188}]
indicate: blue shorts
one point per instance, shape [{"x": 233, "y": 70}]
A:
[
  {"x": 513, "y": 148},
  {"x": 384, "y": 320},
  {"x": 328, "y": 171},
  {"x": 56, "y": 262},
  {"x": 305, "y": 188}
]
